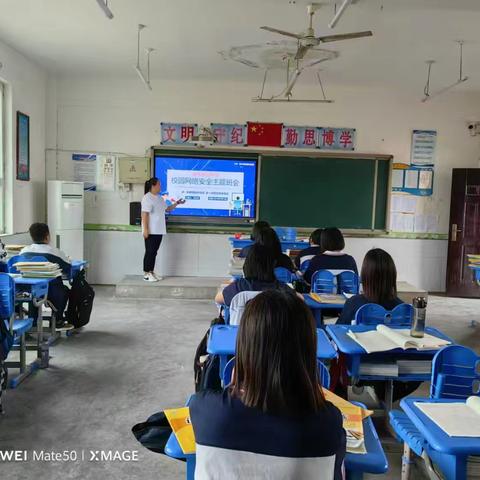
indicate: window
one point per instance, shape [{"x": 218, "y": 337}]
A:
[{"x": 2, "y": 163}]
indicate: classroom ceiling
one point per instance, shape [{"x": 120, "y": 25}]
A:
[{"x": 74, "y": 37}]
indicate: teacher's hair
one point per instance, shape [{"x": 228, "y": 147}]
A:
[
  {"x": 275, "y": 365},
  {"x": 150, "y": 183}
]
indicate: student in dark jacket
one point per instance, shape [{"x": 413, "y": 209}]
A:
[
  {"x": 258, "y": 271},
  {"x": 379, "y": 281},
  {"x": 332, "y": 257},
  {"x": 257, "y": 227},
  {"x": 313, "y": 250},
  {"x": 268, "y": 238},
  {"x": 273, "y": 420}
]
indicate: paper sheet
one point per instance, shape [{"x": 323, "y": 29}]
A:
[
  {"x": 425, "y": 179},
  {"x": 411, "y": 179},
  {"x": 426, "y": 223},
  {"x": 402, "y": 222},
  {"x": 404, "y": 203},
  {"x": 397, "y": 178}
]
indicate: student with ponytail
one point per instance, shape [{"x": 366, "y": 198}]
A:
[{"x": 153, "y": 225}]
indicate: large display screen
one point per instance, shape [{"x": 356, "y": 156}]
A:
[{"x": 211, "y": 187}]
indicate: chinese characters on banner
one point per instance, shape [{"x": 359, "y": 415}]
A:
[
  {"x": 177, "y": 133},
  {"x": 318, "y": 137},
  {"x": 230, "y": 134},
  {"x": 263, "y": 134}
]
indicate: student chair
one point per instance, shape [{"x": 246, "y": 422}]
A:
[
  {"x": 304, "y": 266},
  {"x": 348, "y": 282},
  {"x": 373, "y": 314},
  {"x": 284, "y": 275},
  {"x": 455, "y": 373},
  {"x": 16, "y": 327},
  {"x": 323, "y": 373},
  {"x": 323, "y": 281},
  {"x": 237, "y": 306}
]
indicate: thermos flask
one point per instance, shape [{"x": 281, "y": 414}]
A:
[{"x": 419, "y": 313}]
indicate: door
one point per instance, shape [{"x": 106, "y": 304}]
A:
[{"x": 464, "y": 233}]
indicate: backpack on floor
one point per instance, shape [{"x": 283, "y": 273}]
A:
[
  {"x": 80, "y": 301},
  {"x": 206, "y": 367}
]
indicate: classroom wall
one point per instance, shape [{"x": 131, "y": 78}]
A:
[
  {"x": 119, "y": 115},
  {"x": 26, "y": 91}
]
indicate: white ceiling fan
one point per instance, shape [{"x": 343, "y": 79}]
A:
[{"x": 307, "y": 39}]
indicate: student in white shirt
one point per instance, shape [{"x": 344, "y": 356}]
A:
[
  {"x": 153, "y": 225},
  {"x": 57, "y": 292}
]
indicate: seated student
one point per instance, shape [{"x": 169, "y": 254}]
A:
[
  {"x": 257, "y": 226},
  {"x": 333, "y": 258},
  {"x": 312, "y": 250},
  {"x": 57, "y": 291},
  {"x": 269, "y": 238},
  {"x": 273, "y": 420},
  {"x": 379, "y": 282},
  {"x": 258, "y": 275}
]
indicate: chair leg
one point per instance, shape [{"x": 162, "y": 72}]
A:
[
  {"x": 3, "y": 385},
  {"x": 406, "y": 462},
  {"x": 23, "y": 354}
]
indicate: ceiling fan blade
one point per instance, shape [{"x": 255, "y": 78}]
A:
[
  {"x": 344, "y": 36},
  {"x": 282, "y": 32},
  {"x": 301, "y": 52}
]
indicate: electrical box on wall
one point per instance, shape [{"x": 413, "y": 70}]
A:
[{"x": 133, "y": 169}]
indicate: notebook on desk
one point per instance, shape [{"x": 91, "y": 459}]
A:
[
  {"x": 455, "y": 419},
  {"x": 328, "y": 298},
  {"x": 385, "y": 338},
  {"x": 179, "y": 420}
]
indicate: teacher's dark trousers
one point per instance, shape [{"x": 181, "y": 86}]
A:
[{"x": 152, "y": 244}]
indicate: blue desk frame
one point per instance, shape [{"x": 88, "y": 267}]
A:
[
  {"x": 355, "y": 354},
  {"x": 374, "y": 461},
  {"x": 222, "y": 342},
  {"x": 450, "y": 453},
  {"x": 286, "y": 245},
  {"x": 34, "y": 290}
]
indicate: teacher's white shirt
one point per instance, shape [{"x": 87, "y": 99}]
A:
[{"x": 156, "y": 207}]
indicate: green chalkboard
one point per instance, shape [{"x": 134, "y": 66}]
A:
[{"x": 318, "y": 192}]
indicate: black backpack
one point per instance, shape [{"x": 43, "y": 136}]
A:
[{"x": 80, "y": 301}]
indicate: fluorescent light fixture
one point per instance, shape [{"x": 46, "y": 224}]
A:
[
  {"x": 142, "y": 76},
  {"x": 339, "y": 13},
  {"x": 103, "y": 4}
]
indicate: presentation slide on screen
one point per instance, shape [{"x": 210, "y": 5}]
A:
[{"x": 211, "y": 187}]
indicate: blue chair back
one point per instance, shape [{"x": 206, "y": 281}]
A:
[
  {"x": 7, "y": 296},
  {"x": 323, "y": 281},
  {"x": 373, "y": 314},
  {"x": 23, "y": 258},
  {"x": 323, "y": 373},
  {"x": 305, "y": 265},
  {"x": 348, "y": 282},
  {"x": 284, "y": 275},
  {"x": 455, "y": 373}
]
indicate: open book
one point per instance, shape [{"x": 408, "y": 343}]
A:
[
  {"x": 179, "y": 420},
  {"x": 455, "y": 419},
  {"x": 353, "y": 416},
  {"x": 385, "y": 338}
]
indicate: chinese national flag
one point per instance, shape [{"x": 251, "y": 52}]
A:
[{"x": 264, "y": 134}]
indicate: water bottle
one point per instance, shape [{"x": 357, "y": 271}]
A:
[{"x": 419, "y": 313}]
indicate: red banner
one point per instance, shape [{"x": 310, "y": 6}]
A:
[{"x": 264, "y": 134}]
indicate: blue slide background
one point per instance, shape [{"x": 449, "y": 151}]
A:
[{"x": 247, "y": 166}]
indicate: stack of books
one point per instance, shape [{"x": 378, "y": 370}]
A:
[
  {"x": 473, "y": 466},
  {"x": 14, "y": 249},
  {"x": 39, "y": 269}
]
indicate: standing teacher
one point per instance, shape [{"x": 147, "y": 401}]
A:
[{"x": 153, "y": 225}]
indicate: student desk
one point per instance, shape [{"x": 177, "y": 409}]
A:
[
  {"x": 374, "y": 461},
  {"x": 222, "y": 342},
  {"x": 286, "y": 244},
  {"x": 317, "y": 307},
  {"x": 450, "y": 453},
  {"x": 33, "y": 290},
  {"x": 355, "y": 354}
]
